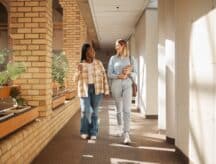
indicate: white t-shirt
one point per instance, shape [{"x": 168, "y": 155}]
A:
[{"x": 90, "y": 67}]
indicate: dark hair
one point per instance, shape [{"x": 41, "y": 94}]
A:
[{"x": 84, "y": 50}]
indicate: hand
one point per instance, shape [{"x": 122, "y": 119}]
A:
[
  {"x": 127, "y": 70},
  {"x": 122, "y": 76},
  {"x": 79, "y": 67}
]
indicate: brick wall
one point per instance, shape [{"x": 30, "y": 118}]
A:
[
  {"x": 74, "y": 35},
  {"x": 24, "y": 145},
  {"x": 31, "y": 33}
]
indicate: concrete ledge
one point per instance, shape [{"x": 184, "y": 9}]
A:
[{"x": 25, "y": 144}]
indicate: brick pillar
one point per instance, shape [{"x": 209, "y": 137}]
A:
[
  {"x": 83, "y": 26},
  {"x": 31, "y": 33},
  {"x": 73, "y": 29}
]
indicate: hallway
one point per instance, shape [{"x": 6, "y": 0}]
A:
[
  {"x": 148, "y": 146},
  {"x": 174, "y": 45}
]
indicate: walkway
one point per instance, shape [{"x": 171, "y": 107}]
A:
[{"x": 148, "y": 145}]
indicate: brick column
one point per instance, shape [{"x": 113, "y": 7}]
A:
[
  {"x": 31, "y": 33},
  {"x": 84, "y": 37},
  {"x": 73, "y": 29}
]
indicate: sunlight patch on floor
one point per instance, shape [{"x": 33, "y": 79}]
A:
[
  {"x": 113, "y": 130},
  {"x": 144, "y": 147},
  {"x": 125, "y": 161},
  {"x": 156, "y": 148},
  {"x": 91, "y": 141},
  {"x": 88, "y": 156}
]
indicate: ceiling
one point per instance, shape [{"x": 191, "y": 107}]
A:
[{"x": 114, "y": 19}]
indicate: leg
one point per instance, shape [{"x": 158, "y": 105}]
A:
[
  {"x": 117, "y": 95},
  {"x": 85, "y": 112},
  {"x": 95, "y": 101},
  {"x": 118, "y": 103},
  {"x": 127, "y": 97}
]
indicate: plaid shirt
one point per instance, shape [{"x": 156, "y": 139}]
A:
[{"x": 100, "y": 79}]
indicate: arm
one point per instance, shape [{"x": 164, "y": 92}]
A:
[
  {"x": 110, "y": 69},
  {"x": 106, "y": 85},
  {"x": 77, "y": 73}
]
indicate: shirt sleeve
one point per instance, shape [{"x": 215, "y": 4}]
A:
[
  {"x": 76, "y": 76},
  {"x": 106, "y": 85},
  {"x": 110, "y": 69}
]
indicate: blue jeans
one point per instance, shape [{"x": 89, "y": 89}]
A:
[{"x": 89, "y": 112}]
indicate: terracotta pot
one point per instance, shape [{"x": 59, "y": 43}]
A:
[{"x": 5, "y": 91}]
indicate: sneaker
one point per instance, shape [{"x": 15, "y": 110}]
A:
[
  {"x": 127, "y": 139},
  {"x": 84, "y": 136},
  {"x": 93, "y": 138}
]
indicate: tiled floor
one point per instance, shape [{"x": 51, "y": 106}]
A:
[{"x": 148, "y": 146}]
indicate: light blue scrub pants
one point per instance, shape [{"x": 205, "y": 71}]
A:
[{"x": 122, "y": 94}]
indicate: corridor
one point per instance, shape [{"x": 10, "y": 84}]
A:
[
  {"x": 173, "y": 43},
  {"x": 148, "y": 145}
]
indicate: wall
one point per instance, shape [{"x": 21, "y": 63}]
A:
[
  {"x": 195, "y": 79},
  {"x": 58, "y": 38},
  {"x": 25, "y": 144},
  {"x": 202, "y": 83},
  {"x": 140, "y": 41},
  {"x": 161, "y": 65},
  {"x": 166, "y": 66},
  {"x": 3, "y": 25},
  {"x": 31, "y": 38},
  {"x": 74, "y": 34},
  {"x": 146, "y": 48}
]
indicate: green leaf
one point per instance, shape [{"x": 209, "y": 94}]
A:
[
  {"x": 15, "y": 70},
  {"x": 4, "y": 77}
]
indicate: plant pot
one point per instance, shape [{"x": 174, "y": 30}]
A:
[
  {"x": 12, "y": 123},
  {"x": 5, "y": 91},
  {"x": 57, "y": 101},
  {"x": 70, "y": 94}
]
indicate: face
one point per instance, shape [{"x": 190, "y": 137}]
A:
[
  {"x": 119, "y": 48},
  {"x": 91, "y": 53}
]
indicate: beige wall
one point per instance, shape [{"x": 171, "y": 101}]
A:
[
  {"x": 203, "y": 84},
  {"x": 187, "y": 49},
  {"x": 195, "y": 79},
  {"x": 166, "y": 65},
  {"x": 146, "y": 49},
  {"x": 161, "y": 65},
  {"x": 140, "y": 41}
]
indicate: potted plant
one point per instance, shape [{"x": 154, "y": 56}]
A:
[
  {"x": 14, "y": 111},
  {"x": 59, "y": 71},
  {"x": 9, "y": 71},
  {"x": 59, "y": 67}
]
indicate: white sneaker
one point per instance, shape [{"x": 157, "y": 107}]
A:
[
  {"x": 93, "y": 138},
  {"x": 127, "y": 139},
  {"x": 84, "y": 136}
]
